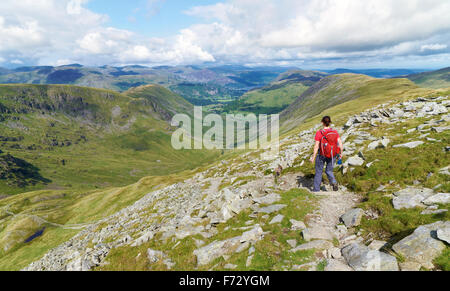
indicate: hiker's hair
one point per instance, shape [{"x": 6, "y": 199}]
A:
[{"x": 326, "y": 120}]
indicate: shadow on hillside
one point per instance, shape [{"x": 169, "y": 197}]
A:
[{"x": 19, "y": 173}]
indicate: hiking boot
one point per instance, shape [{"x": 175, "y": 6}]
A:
[{"x": 335, "y": 187}]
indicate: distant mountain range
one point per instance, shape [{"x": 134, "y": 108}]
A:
[
  {"x": 435, "y": 79},
  {"x": 199, "y": 85},
  {"x": 377, "y": 73}
]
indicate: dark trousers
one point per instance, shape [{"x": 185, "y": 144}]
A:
[{"x": 320, "y": 163}]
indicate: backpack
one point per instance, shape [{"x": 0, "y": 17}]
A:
[{"x": 329, "y": 147}]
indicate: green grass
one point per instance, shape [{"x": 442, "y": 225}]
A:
[
  {"x": 269, "y": 100},
  {"x": 443, "y": 261}
]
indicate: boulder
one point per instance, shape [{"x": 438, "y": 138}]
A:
[
  {"x": 316, "y": 244},
  {"x": 422, "y": 246},
  {"x": 292, "y": 242},
  {"x": 268, "y": 199},
  {"x": 384, "y": 143},
  {"x": 277, "y": 219},
  {"x": 440, "y": 198},
  {"x": 373, "y": 145},
  {"x": 216, "y": 249},
  {"x": 317, "y": 233},
  {"x": 271, "y": 209},
  {"x": 354, "y": 161},
  {"x": 440, "y": 129},
  {"x": 252, "y": 235},
  {"x": 361, "y": 258},
  {"x": 445, "y": 171},
  {"x": 410, "y": 266},
  {"x": 155, "y": 256},
  {"x": 335, "y": 253},
  {"x": 444, "y": 234},
  {"x": 377, "y": 245},
  {"x": 336, "y": 266},
  {"x": 411, "y": 197},
  {"x": 433, "y": 211},
  {"x": 297, "y": 225},
  {"x": 410, "y": 145},
  {"x": 353, "y": 217}
]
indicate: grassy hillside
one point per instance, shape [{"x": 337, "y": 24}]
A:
[
  {"x": 163, "y": 101},
  {"x": 74, "y": 138},
  {"x": 436, "y": 79},
  {"x": 278, "y": 95},
  {"x": 339, "y": 89}
]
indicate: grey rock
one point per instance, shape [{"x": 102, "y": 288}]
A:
[
  {"x": 316, "y": 244},
  {"x": 361, "y": 258},
  {"x": 373, "y": 145},
  {"x": 422, "y": 246},
  {"x": 271, "y": 209},
  {"x": 335, "y": 253},
  {"x": 433, "y": 211},
  {"x": 297, "y": 225},
  {"x": 445, "y": 171},
  {"x": 292, "y": 243},
  {"x": 352, "y": 217},
  {"x": 410, "y": 266},
  {"x": 444, "y": 234},
  {"x": 440, "y": 198},
  {"x": 384, "y": 143},
  {"x": 253, "y": 235},
  {"x": 317, "y": 233},
  {"x": 411, "y": 198},
  {"x": 377, "y": 245},
  {"x": 216, "y": 249},
  {"x": 155, "y": 256},
  {"x": 230, "y": 266},
  {"x": 337, "y": 266},
  {"x": 268, "y": 199},
  {"x": 354, "y": 161},
  {"x": 277, "y": 219},
  {"x": 410, "y": 145},
  {"x": 440, "y": 129}
]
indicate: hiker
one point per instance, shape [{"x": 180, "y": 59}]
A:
[
  {"x": 277, "y": 173},
  {"x": 329, "y": 147}
]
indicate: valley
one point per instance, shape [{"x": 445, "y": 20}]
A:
[{"x": 89, "y": 180}]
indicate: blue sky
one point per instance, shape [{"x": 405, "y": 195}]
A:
[
  {"x": 311, "y": 34},
  {"x": 149, "y": 18}
]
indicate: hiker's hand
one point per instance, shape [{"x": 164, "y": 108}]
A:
[{"x": 312, "y": 160}]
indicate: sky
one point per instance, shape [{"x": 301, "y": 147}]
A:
[{"x": 311, "y": 34}]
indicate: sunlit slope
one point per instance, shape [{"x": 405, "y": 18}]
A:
[
  {"x": 338, "y": 89},
  {"x": 278, "y": 95},
  {"x": 162, "y": 100},
  {"x": 435, "y": 79}
]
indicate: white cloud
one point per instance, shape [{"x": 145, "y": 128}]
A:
[
  {"x": 433, "y": 47},
  {"x": 247, "y": 31},
  {"x": 310, "y": 29}
]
